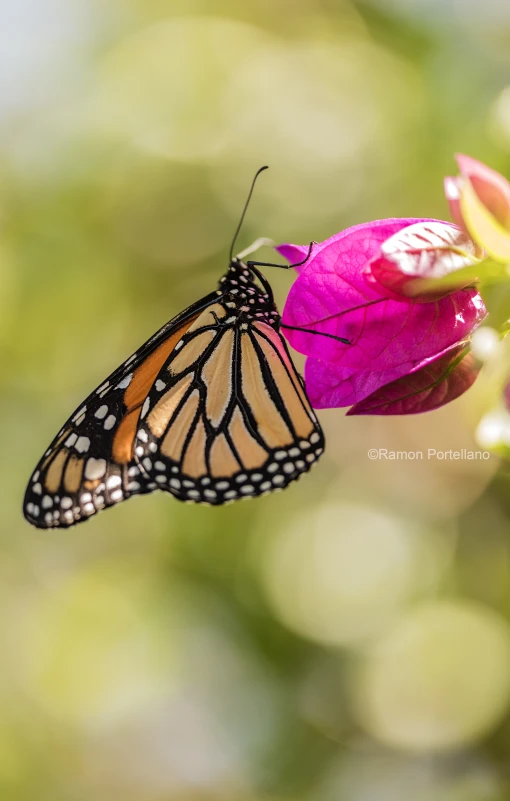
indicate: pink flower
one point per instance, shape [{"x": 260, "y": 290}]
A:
[
  {"x": 407, "y": 343},
  {"x": 439, "y": 381},
  {"x": 479, "y": 200}
]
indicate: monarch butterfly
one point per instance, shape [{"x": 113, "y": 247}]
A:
[{"x": 210, "y": 409}]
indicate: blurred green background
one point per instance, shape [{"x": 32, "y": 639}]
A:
[{"x": 349, "y": 639}]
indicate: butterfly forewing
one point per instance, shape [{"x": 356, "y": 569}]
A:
[
  {"x": 227, "y": 416},
  {"x": 90, "y": 465}
]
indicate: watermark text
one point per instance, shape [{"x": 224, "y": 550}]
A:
[{"x": 386, "y": 455}]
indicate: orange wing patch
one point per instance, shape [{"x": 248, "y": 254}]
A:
[
  {"x": 143, "y": 378},
  {"x": 252, "y": 454},
  {"x": 175, "y": 438},
  {"x": 194, "y": 462},
  {"x": 289, "y": 388},
  {"x": 160, "y": 416},
  {"x": 144, "y": 375},
  {"x": 271, "y": 425},
  {"x": 54, "y": 472},
  {"x": 222, "y": 461},
  {"x": 73, "y": 474},
  {"x": 217, "y": 375},
  {"x": 122, "y": 445}
]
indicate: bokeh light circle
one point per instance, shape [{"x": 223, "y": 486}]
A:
[
  {"x": 318, "y": 113},
  {"x": 338, "y": 574},
  {"x": 439, "y": 680},
  {"x": 163, "y": 87},
  {"x": 92, "y": 653}
]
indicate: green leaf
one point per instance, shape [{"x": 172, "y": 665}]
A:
[
  {"x": 483, "y": 272},
  {"x": 483, "y": 226}
]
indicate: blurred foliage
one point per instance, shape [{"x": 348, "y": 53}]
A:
[{"x": 349, "y": 638}]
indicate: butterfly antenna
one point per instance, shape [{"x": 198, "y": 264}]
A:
[
  {"x": 317, "y": 333},
  {"x": 250, "y": 193}
]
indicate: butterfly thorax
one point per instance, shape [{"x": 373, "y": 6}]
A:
[{"x": 242, "y": 295}]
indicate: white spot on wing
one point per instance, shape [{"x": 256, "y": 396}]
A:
[
  {"x": 83, "y": 444},
  {"x": 79, "y": 413},
  {"x": 101, "y": 412},
  {"x": 109, "y": 422},
  {"x": 95, "y": 468},
  {"x": 125, "y": 382}
]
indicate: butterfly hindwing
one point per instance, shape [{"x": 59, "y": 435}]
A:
[
  {"x": 227, "y": 416},
  {"x": 89, "y": 465}
]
